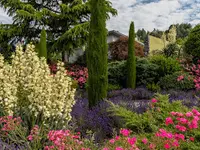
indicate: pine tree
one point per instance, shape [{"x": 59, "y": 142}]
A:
[
  {"x": 43, "y": 45},
  {"x": 97, "y": 54},
  {"x": 66, "y": 21},
  {"x": 131, "y": 62}
]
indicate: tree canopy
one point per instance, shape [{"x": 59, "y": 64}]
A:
[
  {"x": 192, "y": 45},
  {"x": 65, "y": 21}
]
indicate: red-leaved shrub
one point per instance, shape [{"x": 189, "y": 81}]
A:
[{"x": 119, "y": 49}]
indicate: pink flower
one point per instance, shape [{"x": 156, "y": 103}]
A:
[
  {"x": 169, "y": 121},
  {"x": 167, "y": 146},
  {"x": 119, "y": 148},
  {"x": 112, "y": 141},
  {"x": 105, "y": 148},
  {"x": 182, "y": 120},
  {"x": 144, "y": 140},
  {"x": 189, "y": 114},
  {"x": 30, "y": 137},
  {"x": 152, "y": 146},
  {"x": 180, "y": 78},
  {"x": 192, "y": 139},
  {"x": 154, "y": 100},
  {"x": 181, "y": 128},
  {"x": 125, "y": 132},
  {"x": 132, "y": 141},
  {"x": 117, "y": 137},
  {"x": 173, "y": 113},
  {"x": 175, "y": 143}
]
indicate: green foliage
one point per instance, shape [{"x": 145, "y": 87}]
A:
[
  {"x": 183, "y": 30},
  {"x": 131, "y": 61},
  {"x": 146, "y": 72},
  {"x": 166, "y": 65},
  {"x": 172, "y": 50},
  {"x": 43, "y": 45},
  {"x": 141, "y": 35},
  {"x": 170, "y": 82},
  {"x": 153, "y": 87},
  {"x": 67, "y": 22},
  {"x": 117, "y": 73},
  {"x": 192, "y": 45},
  {"x": 113, "y": 87},
  {"x": 97, "y": 54},
  {"x": 151, "y": 120}
]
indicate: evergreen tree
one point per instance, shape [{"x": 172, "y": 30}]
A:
[
  {"x": 66, "y": 21},
  {"x": 97, "y": 54},
  {"x": 131, "y": 62},
  {"x": 43, "y": 45}
]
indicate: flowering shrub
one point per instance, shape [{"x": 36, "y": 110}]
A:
[
  {"x": 65, "y": 140},
  {"x": 79, "y": 74},
  {"x": 177, "y": 81},
  {"x": 195, "y": 70},
  {"x": 27, "y": 88}
]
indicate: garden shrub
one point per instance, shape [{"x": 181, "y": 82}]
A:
[
  {"x": 166, "y": 65},
  {"x": 177, "y": 81},
  {"x": 119, "y": 49},
  {"x": 30, "y": 91},
  {"x": 112, "y": 87},
  {"x": 146, "y": 72},
  {"x": 150, "y": 120}
]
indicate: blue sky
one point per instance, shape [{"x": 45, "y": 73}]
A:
[{"x": 147, "y": 14}]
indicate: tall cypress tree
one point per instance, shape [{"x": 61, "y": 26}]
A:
[
  {"x": 131, "y": 62},
  {"x": 43, "y": 44},
  {"x": 97, "y": 53}
]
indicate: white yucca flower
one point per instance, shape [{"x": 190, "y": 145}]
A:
[{"x": 26, "y": 83}]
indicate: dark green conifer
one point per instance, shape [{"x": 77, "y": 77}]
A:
[
  {"x": 43, "y": 44},
  {"x": 97, "y": 53},
  {"x": 131, "y": 62}
]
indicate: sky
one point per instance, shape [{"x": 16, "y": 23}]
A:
[{"x": 147, "y": 14}]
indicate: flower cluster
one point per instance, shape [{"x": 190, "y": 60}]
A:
[
  {"x": 195, "y": 70},
  {"x": 180, "y": 78},
  {"x": 27, "y": 85},
  {"x": 122, "y": 142},
  {"x": 34, "y": 133},
  {"x": 9, "y": 123},
  {"x": 65, "y": 140},
  {"x": 79, "y": 74}
]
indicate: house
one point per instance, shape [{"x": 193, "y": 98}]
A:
[
  {"x": 113, "y": 36},
  {"x": 154, "y": 44}
]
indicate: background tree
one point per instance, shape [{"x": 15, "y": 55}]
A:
[
  {"x": 141, "y": 35},
  {"x": 43, "y": 44},
  {"x": 131, "y": 62},
  {"x": 156, "y": 33},
  {"x": 192, "y": 45},
  {"x": 183, "y": 30},
  {"x": 171, "y": 50},
  {"x": 97, "y": 53},
  {"x": 66, "y": 22}
]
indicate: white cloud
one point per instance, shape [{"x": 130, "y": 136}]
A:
[
  {"x": 160, "y": 14},
  {"x": 157, "y": 14}
]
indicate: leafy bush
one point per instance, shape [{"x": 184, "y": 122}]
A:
[
  {"x": 177, "y": 81},
  {"x": 119, "y": 49},
  {"x": 146, "y": 72},
  {"x": 117, "y": 73},
  {"x": 113, "y": 87},
  {"x": 192, "y": 45},
  {"x": 172, "y": 50},
  {"x": 152, "y": 119},
  {"x": 166, "y": 65},
  {"x": 29, "y": 90}
]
